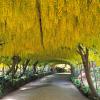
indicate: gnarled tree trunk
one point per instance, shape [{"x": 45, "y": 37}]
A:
[
  {"x": 84, "y": 55},
  {"x": 15, "y": 61}
]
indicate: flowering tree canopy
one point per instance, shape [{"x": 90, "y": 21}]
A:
[{"x": 46, "y": 29}]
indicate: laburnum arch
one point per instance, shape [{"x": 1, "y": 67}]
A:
[{"x": 50, "y": 29}]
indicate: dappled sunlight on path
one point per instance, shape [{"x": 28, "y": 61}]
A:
[{"x": 52, "y": 87}]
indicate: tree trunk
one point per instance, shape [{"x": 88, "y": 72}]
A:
[
  {"x": 25, "y": 67},
  {"x": 72, "y": 70},
  {"x": 16, "y": 68},
  {"x": 84, "y": 55},
  {"x": 81, "y": 74},
  {"x": 93, "y": 66},
  {"x": 34, "y": 67},
  {"x": 15, "y": 61}
]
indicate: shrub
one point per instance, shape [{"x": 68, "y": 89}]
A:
[
  {"x": 72, "y": 79},
  {"x": 1, "y": 90},
  {"x": 85, "y": 89},
  {"x": 77, "y": 82}
]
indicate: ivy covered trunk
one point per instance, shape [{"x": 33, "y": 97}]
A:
[{"x": 84, "y": 53}]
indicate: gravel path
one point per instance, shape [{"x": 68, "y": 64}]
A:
[{"x": 52, "y": 87}]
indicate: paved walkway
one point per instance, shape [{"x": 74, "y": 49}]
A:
[{"x": 52, "y": 87}]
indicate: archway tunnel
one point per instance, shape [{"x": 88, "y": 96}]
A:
[{"x": 36, "y": 36}]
